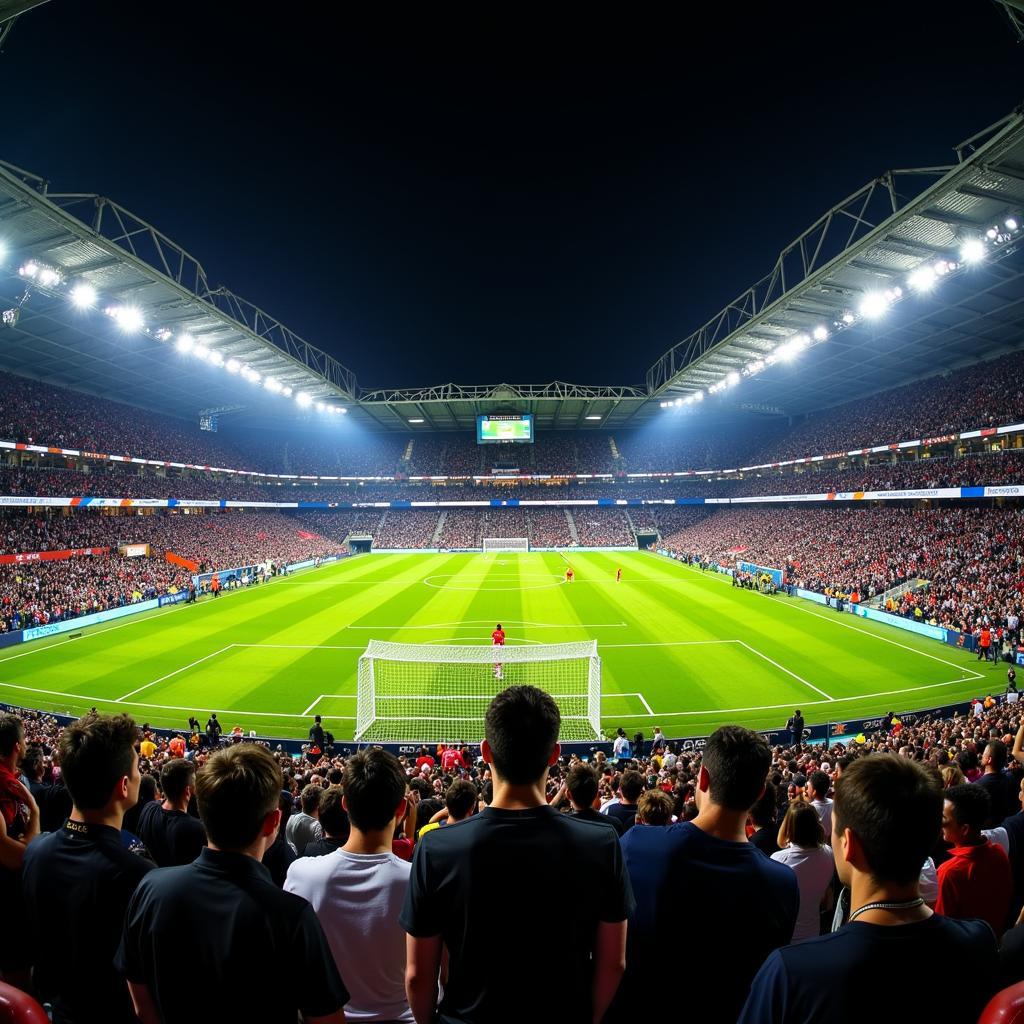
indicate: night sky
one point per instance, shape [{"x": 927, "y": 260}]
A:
[{"x": 493, "y": 197}]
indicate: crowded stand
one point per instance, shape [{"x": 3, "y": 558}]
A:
[
  {"x": 549, "y": 528},
  {"x": 602, "y": 527},
  {"x": 461, "y": 529},
  {"x": 913, "y": 829},
  {"x": 408, "y": 528},
  {"x": 505, "y": 522}
]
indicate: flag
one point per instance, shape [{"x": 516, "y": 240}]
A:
[{"x": 304, "y": 534}]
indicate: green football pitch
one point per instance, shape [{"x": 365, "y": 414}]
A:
[{"x": 679, "y": 649}]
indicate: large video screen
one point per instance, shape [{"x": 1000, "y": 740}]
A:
[{"x": 505, "y": 428}]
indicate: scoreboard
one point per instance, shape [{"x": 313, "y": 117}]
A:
[{"x": 505, "y": 428}]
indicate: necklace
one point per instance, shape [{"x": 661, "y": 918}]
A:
[{"x": 905, "y": 905}]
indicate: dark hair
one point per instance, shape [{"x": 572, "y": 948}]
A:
[
  {"x": 521, "y": 726},
  {"x": 175, "y": 776},
  {"x": 335, "y": 776},
  {"x": 310, "y": 798},
  {"x": 96, "y": 752},
  {"x": 374, "y": 787},
  {"x": 316, "y": 718},
  {"x": 422, "y": 787},
  {"x": 11, "y": 734},
  {"x": 803, "y": 826},
  {"x": 32, "y": 762},
  {"x": 997, "y": 751},
  {"x": 333, "y": 818},
  {"x": 820, "y": 783},
  {"x": 894, "y": 805},
  {"x": 581, "y": 782},
  {"x": 631, "y": 786},
  {"x": 235, "y": 790},
  {"x": 737, "y": 761},
  {"x": 460, "y": 798},
  {"x": 971, "y": 804},
  {"x": 425, "y": 810},
  {"x": 763, "y": 812},
  {"x": 655, "y": 807}
]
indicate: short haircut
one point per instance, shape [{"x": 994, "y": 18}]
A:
[
  {"x": 737, "y": 761},
  {"x": 803, "y": 826},
  {"x": 632, "y": 785},
  {"x": 997, "y": 751},
  {"x": 971, "y": 804},
  {"x": 581, "y": 783},
  {"x": 333, "y": 818},
  {"x": 11, "y": 734},
  {"x": 655, "y": 807},
  {"x": 335, "y": 776},
  {"x": 460, "y": 798},
  {"x": 175, "y": 776},
  {"x": 374, "y": 787},
  {"x": 236, "y": 789},
  {"x": 521, "y": 725},
  {"x": 310, "y": 798},
  {"x": 894, "y": 806},
  {"x": 820, "y": 783},
  {"x": 96, "y": 752}
]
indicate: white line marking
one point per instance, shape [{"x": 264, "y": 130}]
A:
[
  {"x": 191, "y": 664},
  {"x": 644, "y": 702},
  {"x": 792, "y": 603},
  {"x": 314, "y": 704},
  {"x": 673, "y": 643},
  {"x": 782, "y": 668},
  {"x": 308, "y": 647},
  {"x": 507, "y": 622}
]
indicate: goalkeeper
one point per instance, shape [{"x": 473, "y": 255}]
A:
[{"x": 498, "y": 640}]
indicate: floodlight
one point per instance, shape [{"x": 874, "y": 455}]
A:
[
  {"x": 29, "y": 269},
  {"x": 232, "y": 366},
  {"x": 733, "y": 378},
  {"x": 83, "y": 296},
  {"x": 185, "y": 343},
  {"x": 698, "y": 396},
  {"x": 272, "y": 385},
  {"x": 923, "y": 279},
  {"x": 873, "y": 305},
  {"x": 48, "y": 277},
  {"x": 200, "y": 351},
  {"x": 594, "y": 418},
  {"x": 848, "y": 318},
  {"x": 320, "y": 407},
  {"x": 304, "y": 400},
  {"x": 679, "y": 401},
  {"x": 128, "y": 318},
  {"x": 216, "y": 358},
  {"x": 287, "y": 391},
  {"x": 1010, "y": 223},
  {"x": 972, "y": 251},
  {"x": 420, "y": 420},
  {"x": 3, "y": 252},
  {"x": 820, "y": 333}
]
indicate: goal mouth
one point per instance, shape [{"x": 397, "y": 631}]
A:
[
  {"x": 427, "y": 693},
  {"x": 506, "y": 544}
]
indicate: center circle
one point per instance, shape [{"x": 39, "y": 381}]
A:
[{"x": 518, "y": 584}]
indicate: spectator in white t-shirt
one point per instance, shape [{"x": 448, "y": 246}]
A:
[
  {"x": 358, "y": 891},
  {"x": 818, "y": 786},
  {"x": 803, "y": 848}
]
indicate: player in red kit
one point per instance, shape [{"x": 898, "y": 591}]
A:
[
  {"x": 618, "y": 575},
  {"x": 569, "y": 574},
  {"x": 498, "y": 639}
]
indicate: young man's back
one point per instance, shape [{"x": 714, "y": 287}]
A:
[{"x": 501, "y": 885}]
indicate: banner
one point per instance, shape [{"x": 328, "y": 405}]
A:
[
  {"x": 185, "y": 563},
  {"x": 50, "y": 556},
  {"x": 134, "y": 550}
]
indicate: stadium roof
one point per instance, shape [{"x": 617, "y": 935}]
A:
[{"x": 868, "y": 245}]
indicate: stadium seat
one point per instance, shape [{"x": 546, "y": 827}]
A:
[
  {"x": 17, "y": 1007},
  {"x": 1005, "y": 1007}
]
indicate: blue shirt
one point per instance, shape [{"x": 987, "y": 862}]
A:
[
  {"x": 863, "y": 971},
  {"x": 740, "y": 903}
]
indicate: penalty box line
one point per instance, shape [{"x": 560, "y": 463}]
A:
[{"x": 352, "y": 696}]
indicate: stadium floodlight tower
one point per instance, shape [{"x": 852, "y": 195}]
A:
[{"x": 433, "y": 693}]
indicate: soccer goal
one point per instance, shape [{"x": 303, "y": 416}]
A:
[
  {"x": 427, "y": 693},
  {"x": 506, "y": 544}
]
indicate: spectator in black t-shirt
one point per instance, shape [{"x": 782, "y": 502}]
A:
[
  {"x": 213, "y": 731},
  {"x": 495, "y": 887},
  {"x": 316, "y": 733},
  {"x": 581, "y": 786},
  {"x": 334, "y": 821},
  {"x": 766, "y": 825},
  {"x": 887, "y": 816},
  {"x": 630, "y": 787},
  {"x": 170, "y": 833},
  {"x": 81, "y": 878},
  {"x": 147, "y": 795},
  {"x": 279, "y": 855},
  {"x": 1002, "y": 790},
  {"x": 221, "y": 923}
]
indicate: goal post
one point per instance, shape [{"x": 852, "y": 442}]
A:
[
  {"x": 506, "y": 544},
  {"x": 437, "y": 694}
]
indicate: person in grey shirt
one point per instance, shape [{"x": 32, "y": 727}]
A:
[{"x": 304, "y": 827}]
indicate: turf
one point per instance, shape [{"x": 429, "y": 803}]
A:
[{"x": 679, "y": 648}]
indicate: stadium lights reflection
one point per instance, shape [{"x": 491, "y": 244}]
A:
[{"x": 83, "y": 296}]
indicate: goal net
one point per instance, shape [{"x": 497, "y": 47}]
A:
[
  {"x": 427, "y": 693},
  {"x": 506, "y": 544}
]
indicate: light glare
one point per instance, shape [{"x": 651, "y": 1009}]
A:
[{"x": 83, "y": 296}]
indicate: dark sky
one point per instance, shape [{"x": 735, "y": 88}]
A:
[{"x": 502, "y": 197}]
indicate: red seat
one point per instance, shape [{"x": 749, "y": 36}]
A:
[
  {"x": 1006, "y": 1007},
  {"x": 17, "y": 1007}
]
